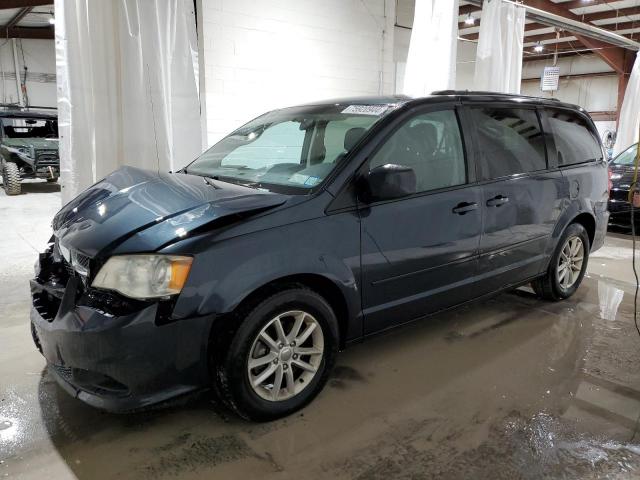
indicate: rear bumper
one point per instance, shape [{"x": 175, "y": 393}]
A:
[{"x": 119, "y": 363}]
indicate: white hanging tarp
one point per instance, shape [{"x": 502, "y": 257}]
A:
[
  {"x": 127, "y": 87},
  {"x": 499, "y": 52},
  {"x": 629, "y": 121},
  {"x": 431, "y": 62}
]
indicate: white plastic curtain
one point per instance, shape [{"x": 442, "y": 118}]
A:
[
  {"x": 431, "y": 62},
  {"x": 629, "y": 121},
  {"x": 127, "y": 87},
  {"x": 499, "y": 52}
]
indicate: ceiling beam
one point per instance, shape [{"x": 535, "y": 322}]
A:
[
  {"x": 548, "y": 36},
  {"x": 562, "y": 53},
  {"x": 545, "y": 36},
  {"x": 613, "y": 56},
  {"x": 7, "y": 4},
  {"x": 608, "y": 14},
  {"x": 582, "y": 3},
  {"x": 614, "y": 27},
  {"x": 527, "y": 27},
  {"x": 19, "y": 16},
  {"x": 43, "y": 33},
  {"x": 572, "y": 45}
]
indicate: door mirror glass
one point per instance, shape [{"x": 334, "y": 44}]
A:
[{"x": 387, "y": 182}]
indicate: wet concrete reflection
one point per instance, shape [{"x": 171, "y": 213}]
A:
[{"x": 509, "y": 388}]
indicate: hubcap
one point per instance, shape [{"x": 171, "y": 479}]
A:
[
  {"x": 570, "y": 262},
  {"x": 285, "y": 355}
]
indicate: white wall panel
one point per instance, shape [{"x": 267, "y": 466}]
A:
[
  {"x": 40, "y": 59},
  {"x": 264, "y": 55}
]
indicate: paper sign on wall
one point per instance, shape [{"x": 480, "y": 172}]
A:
[{"x": 550, "y": 79}]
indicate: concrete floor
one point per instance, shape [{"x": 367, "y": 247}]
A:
[{"x": 509, "y": 388}]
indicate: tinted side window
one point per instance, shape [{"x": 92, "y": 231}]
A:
[
  {"x": 575, "y": 142},
  {"x": 429, "y": 143},
  {"x": 510, "y": 141}
]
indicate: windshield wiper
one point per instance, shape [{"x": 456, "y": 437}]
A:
[{"x": 231, "y": 180}]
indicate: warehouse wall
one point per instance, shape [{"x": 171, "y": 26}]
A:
[
  {"x": 597, "y": 92},
  {"x": 263, "y": 55},
  {"x": 39, "y": 57}
]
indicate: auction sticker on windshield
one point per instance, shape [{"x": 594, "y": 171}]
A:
[{"x": 366, "y": 109}]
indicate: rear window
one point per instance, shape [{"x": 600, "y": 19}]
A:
[
  {"x": 510, "y": 141},
  {"x": 575, "y": 142}
]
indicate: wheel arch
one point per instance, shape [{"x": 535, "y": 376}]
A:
[
  {"x": 320, "y": 284},
  {"x": 575, "y": 213},
  {"x": 588, "y": 221},
  {"x": 226, "y": 325}
]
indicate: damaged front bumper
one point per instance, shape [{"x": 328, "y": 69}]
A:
[{"x": 114, "y": 356}]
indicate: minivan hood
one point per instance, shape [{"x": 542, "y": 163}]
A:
[{"x": 157, "y": 207}]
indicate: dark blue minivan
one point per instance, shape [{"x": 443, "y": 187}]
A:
[{"x": 309, "y": 229}]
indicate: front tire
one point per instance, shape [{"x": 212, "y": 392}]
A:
[
  {"x": 11, "y": 179},
  {"x": 567, "y": 266},
  {"x": 280, "y": 356}
]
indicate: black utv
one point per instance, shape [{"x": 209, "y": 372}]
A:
[{"x": 28, "y": 148}]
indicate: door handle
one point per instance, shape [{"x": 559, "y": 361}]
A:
[
  {"x": 465, "y": 207},
  {"x": 497, "y": 201}
]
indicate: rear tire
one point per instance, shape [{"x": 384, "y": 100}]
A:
[
  {"x": 251, "y": 390},
  {"x": 11, "y": 179},
  {"x": 567, "y": 266}
]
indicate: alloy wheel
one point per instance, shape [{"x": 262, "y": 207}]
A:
[
  {"x": 285, "y": 355},
  {"x": 570, "y": 262}
]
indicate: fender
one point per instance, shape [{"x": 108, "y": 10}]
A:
[{"x": 226, "y": 272}]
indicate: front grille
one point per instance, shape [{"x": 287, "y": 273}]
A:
[
  {"x": 92, "y": 382},
  {"x": 47, "y": 158},
  {"x": 46, "y": 305},
  {"x": 65, "y": 372}
]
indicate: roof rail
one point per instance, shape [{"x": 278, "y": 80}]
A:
[
  {"x": 486, "y": 93},
  {"x": 15, "y": 106}
]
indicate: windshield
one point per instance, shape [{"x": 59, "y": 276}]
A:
[
  {"x": 20, "y": 127},
  {"x": 290, "y": 150},
  {"x": 628, "y": 157}
]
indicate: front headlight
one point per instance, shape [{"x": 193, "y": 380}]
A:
[{"x": 145, "y": 275}]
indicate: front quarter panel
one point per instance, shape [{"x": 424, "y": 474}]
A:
[{"x": 225, "y": 272}]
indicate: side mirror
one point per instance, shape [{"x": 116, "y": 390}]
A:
[{"x": 387, "y": 182}]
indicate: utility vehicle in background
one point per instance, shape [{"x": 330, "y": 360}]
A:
[{"x": 28, "y": 148}]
